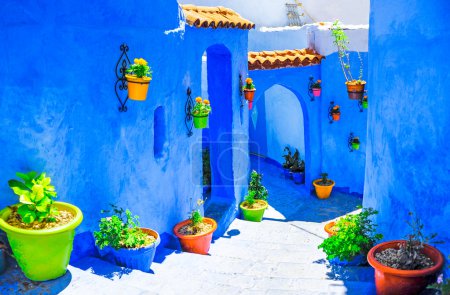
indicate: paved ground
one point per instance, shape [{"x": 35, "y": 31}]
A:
[{"x": 277, "y": 256}]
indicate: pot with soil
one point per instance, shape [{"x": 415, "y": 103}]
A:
[
  {"x": 40, "y": 231},
  {"x": 405, "y": 266},
  {"x": 323, "y": 186},
  {"x": 256, "y": 201},
  {"x": 121, "y": 241}
]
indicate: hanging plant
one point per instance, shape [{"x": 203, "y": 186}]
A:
[
  {"x": 249, "y": 91},
  {"x": 317, "y": 88},
  {"x": 200, "y": 112},
  {"x": 336, "y": 113},
  {"x": 139, "y": 77},
  {"x": 355, "y": 143}
]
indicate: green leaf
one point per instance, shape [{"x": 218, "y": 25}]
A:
[
  {"x": 25, "y": 198},
  {"x": 26, "y": 214},
  {"x": 17, "y": 184}
]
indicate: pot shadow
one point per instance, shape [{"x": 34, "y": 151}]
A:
[{"x": 102, "y": 268}]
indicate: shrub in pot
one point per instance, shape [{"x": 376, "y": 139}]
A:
[
  {"x": 195, "y": 233},
  {"x": 138, "y": 78},
  {"x": 354, "y": 235},
  {"x": 40, "y": 230},
  {"x": 121, "y": 241},
  {"x": 406, "y": 266},
  {"x": 323, "y": 186},
  {"x": 298, "y": 168},
  {"x": 249, "y": 92},
  {"x": 256, "y": 201},
  {"x": 288, "y": 162},
  {"x": 200, "y": 112}
]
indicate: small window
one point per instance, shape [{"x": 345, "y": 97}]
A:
[{"x": 159, "y": 143}]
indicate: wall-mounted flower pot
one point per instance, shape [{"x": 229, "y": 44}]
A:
[
  {"x": 317, "y": 92},
  {"x": 198, "y": 244},
  {"x": 253, "y": 214},
  {"x": 355, "y": 91},
  {"x": 42, "y": 254},
  {"x": 336, "y": 116},
  {"x": 323, "y": 191},
  {"x": 365, "y": 104},
  {"x": 137, "y": 87},
  {"x": 200, "y": 122},
  {"x": 389, "y": 280},
  {"x": 299, "y": 177},
  {"x": 355, "y": 145},
  {"x": 329, "y": 228},
  {"x": 135, "y": 258},
  {"x": 249, "y": 95}
]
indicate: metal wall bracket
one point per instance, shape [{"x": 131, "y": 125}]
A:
[
  {"x": 330, "y": 109},
  {"x": 310, "y": 91},
  {"x": 350, "y": 141},
  {"x": 188, "y": 119},
  {"x": 241, "y": 91},
  {"x": 121, "y": 82}
]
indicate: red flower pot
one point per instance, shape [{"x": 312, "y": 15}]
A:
[
  {"x": 336, "y": 116},
  {"x": 317, "y": 92},
  {"x": 393, "y": 281},
  {"x": 249, "y": 94},
  {"x": 195, "y": 243}
]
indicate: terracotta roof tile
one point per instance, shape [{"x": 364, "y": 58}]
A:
[
  {"x": 215, "y": 17},
  {"x": 283, "y": 59}
]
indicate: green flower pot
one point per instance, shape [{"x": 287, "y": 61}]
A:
[
  {"x": 255, "y": 215},
  {"x": 42, "y": 254},
  {"x": 355, "y": 146},
  {"x": 200, "y": 122},
  {"x": 365, "y": 104}
]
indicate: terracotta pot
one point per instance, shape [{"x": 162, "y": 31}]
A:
[
  {"x": 329, "y": 228},
  {"x": 137, "y": 87},
  {"x": 249, "y": 94},
  {"x": 323, "y": 191},
  {"x": 389, "y": 280},
  {"x": 195, "y": 243},
  {"x": 336, "y": 116},
  {"x": 317, "y": 92},
  {"x": 355, "y": 91}
]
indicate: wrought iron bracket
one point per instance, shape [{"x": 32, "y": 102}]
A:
[
  {"x": 310, "y": 91},
  {"x": 189, "y": 120},
  {"x": 350, "y": 141},
  {"x": 241, "y": 91},
  {"x": 121, "y": 82},
  {"x": 330, "y": 109}
]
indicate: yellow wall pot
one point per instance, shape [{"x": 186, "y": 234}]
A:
[{"x": 137, "y": 87}]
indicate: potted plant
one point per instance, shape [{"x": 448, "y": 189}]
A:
[
  {"x": 256, "y": 201},
  {"x": 139, "y": 78},
  {"x": 323, "y": 186},
  {"x": 121, "y": 241},
  {"x": 406, "y": 266},
  {"x": 317, "y": 88},
  {"x": 298, "y": 168},
  {"x": 195, "y": 233},
  {"x": 200, "y": 112},
  {"x": 355, "y": 88},
  {"x": 336, "y": 113},
  {"x": 365, "y": 102},
  {"x": 353, "y": 236},
  {"x": 355, "y": 143},
  {"x": 288, "y": 162},
  {"x": 249, "y": 91},
  {"x": 40, "y": 231}
]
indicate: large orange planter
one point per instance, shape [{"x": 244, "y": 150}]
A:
[
  {"x": 323, "y": 191},
  {"x": 195, "y": 243},
  {"x": 355, "y": 91},
  {"x": 137, "y": 87},
  {"x": 391, "y": 281},
  {"x": 329, "y": 228}
]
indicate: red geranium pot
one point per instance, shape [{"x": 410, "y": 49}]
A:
[{"x": 393, "y": 281}]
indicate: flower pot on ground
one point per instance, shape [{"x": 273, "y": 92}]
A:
[
  {"x": 316, "y": 88},
  {"x": 195, "y": 233},
  {"x": 355, "y": 87},
  {"x": 355, "y": 143},
  {"x": 406, "y": 266},
  {"x": 139, "y": 78},
  {"x": 200, "y": 112},
  {"x": 336, "y": 113},
  {"x": 249, "y": 92},
  {"x": 330, "y": 228},
  {"x": 121, "y": 241},
  {"x": 323, "y": 186},
  {"x": 298, "y": 168},
  {"x": 40, "y": 231},
  {"x": 256, "y": 201},
  {"x": 351, "y": 239}
]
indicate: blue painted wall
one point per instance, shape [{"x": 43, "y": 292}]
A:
[
  {"x": 59, "y": 110},
  {"x": 407, "y": 164}
]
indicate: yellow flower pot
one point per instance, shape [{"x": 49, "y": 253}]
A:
[
  {"x": 323, "y": 191},
  {"x": 137, "y": 87}
]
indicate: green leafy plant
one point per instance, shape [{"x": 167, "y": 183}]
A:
[
  {"x": 288, "y": 160},
  {"x": 202, "y": 107},
  {"x": 250, "y": 199},
  {"x": 36, "y": 196},
  {"x": 196, "y": 216},
  {"x": 317, "y": 84},
  {"x": 341, "y": 42},
  {"x": 260, "y": 192},
  {"x": 355, "y": 235},
  {"x": 298, "y": 165},
  {"x": 441, "y": 285},
  {"x": 249, "y": 85},
  {"x": 324, "y": 180},
  {"x": 121, "y": 230},
  {"x": 140, "y": 68}
]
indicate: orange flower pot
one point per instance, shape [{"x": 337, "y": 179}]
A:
[
  {"x": 329, "y": 228},
  {"x": 355, "y": 91},
  {"x": 390, "y": 281},
  {"x": 137, "y": 87},
  {"x": 195, "y": 243},
  {"x": 249, "y": 94},
  {"x": 336, "y": 116},
  {"x": 323, "y": 191}
]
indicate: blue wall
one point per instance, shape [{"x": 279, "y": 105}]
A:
[
  {"x": 59, "y": 110},
  {"x": 408, "y": 122}
]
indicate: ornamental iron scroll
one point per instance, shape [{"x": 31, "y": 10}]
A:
[{"x": 121, "y": 82}]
